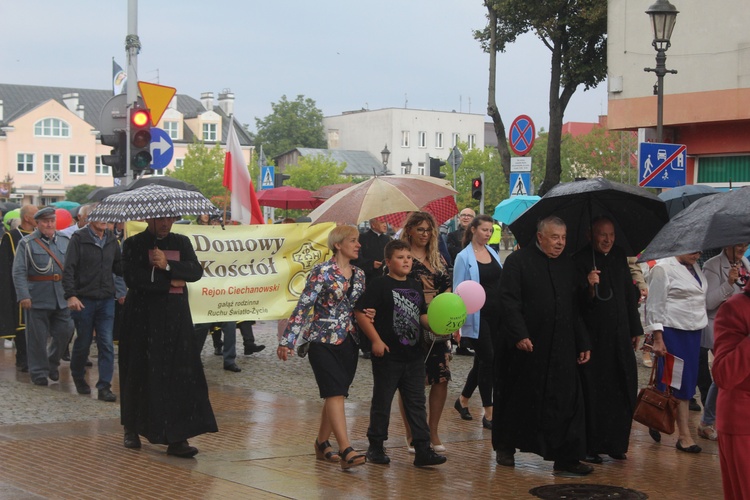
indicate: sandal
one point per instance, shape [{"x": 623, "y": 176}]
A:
[
  {"x": 354, "y": 461},
  {"x": 321, "y": 454}
]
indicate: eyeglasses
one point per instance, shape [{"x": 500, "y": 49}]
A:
[{"x": 423, "y": 230}]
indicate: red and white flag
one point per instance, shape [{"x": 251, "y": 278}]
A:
[
  {"x": 672, "y": 374},
  {"x": 245, "y": 207}
]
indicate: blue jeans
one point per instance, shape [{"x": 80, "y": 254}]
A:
[
  {"x": 99, "y": 315},
  {"x": 709, "y": 409}
]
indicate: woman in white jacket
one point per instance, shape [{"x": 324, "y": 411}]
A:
[{"x": 676, "y": 315}]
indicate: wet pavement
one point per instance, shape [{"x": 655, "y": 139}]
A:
[{"x": 55, "y": 443}]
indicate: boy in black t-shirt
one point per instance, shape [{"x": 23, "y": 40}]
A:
[{"x": 397, "y": 359}]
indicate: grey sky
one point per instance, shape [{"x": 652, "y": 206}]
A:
[{"x": 344, "y": 54}]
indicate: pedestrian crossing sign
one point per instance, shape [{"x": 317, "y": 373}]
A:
[
  {"x": 266, "y": 177},
  {"x": 520, "y": 183}
]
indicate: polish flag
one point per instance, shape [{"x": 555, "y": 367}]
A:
[
  {"x": 672, "y": 374},
  {"x": 245, "y": 207}
]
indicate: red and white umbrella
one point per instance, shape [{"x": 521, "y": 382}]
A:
[
  {"x": 441, "y": 209},
  {"x": 381, "y": 196},
  {"x": 288, "y": 197}
]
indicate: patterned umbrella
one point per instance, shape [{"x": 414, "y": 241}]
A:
[{"x": 152, "y": 202}]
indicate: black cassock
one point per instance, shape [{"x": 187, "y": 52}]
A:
[
  {"x": 11, "y": 319},
  {"x": 164, "y": 395},
  {"x": 610, "y": 379},
  {"x": 539, "y": 400}
]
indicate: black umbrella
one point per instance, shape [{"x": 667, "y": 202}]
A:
[
  {"x": 101, "y": 193},
  {"x": 679, "y": 198},
  {"x": 8, "y": 206},
  {"x": 636, "y": 213},
  {"x": 714, "y": 221}
]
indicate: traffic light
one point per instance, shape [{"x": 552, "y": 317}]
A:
[
  {"x": 476, "y": 188},
  {"x": 278, "y": 179},
  {"x": 116, "y": 157},
  {"x": 140, "y": 139},
  {"x": 435, "y": 165}
]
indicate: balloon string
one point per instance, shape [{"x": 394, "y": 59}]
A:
[{"x": 429, "y": 351}]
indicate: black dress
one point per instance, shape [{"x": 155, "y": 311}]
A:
[{"x": 164, "y": 395}]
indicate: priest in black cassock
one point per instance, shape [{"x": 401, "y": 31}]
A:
[
  {"x": 610, "y": 379},
  {"x": 538, "y": 401},
  {"x": 164, "y": 395}
]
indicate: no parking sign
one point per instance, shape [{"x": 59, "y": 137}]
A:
[{"x": 522, "y": 134}]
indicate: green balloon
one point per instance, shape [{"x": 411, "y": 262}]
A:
[
  {"x": 13, "y": 214},
  {"x": 446, "y": 313}
]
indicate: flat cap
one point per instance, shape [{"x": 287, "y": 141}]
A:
[{"x": 45, "y": 213}]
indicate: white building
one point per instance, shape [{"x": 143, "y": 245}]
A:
[{"x": 409, "y": 134}]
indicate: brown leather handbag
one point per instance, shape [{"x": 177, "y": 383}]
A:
[{"x": 656, "y": 409}]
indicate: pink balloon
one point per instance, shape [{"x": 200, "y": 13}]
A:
[
  {"x": 63, "y": 219},
  {"x": 472, "y": 294}
]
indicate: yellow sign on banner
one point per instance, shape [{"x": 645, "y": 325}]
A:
[
  {"x": 254, "y": 272},
  {"x": 156, "y": 98}
]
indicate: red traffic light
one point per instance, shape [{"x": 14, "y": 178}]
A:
[
  {"x": 476, "y": 183},
  {"x": 140, "y": 118},
  {"x": 476, "y": 188}
]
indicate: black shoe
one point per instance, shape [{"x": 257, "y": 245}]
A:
[
  {"x": 131, "y": 440},
  {"x": 690, "y": 449},
  {"x": 23, "y": 368},
  {"x": 106, "y": 395},
  {"x": 233, "y": 368},
  {"x": 655, "y": 435},
  {"x": 487, "y": 424},
  {"x": 593, "y": 459},
  {"x": 65, "y": 356},
  {"x": 427, "y": 457},
  {"x": 81, "y": 386},
  {"x": 377, "y": 455},
  {"x": 40, "y": 381},
  {"x": 618, "y": 456},
  {"x": 218, "y": 351},
  {"x": 366, "y": 354},
  {"x": 89, "y": 363},
  {"x": 54, "y": 376},
  {"x": 576, "y": 468},
  {"x": 182, "y": 450},
  {"x": 505, "y": 458},
  {"x": 463, "y": 411},
  {"x": 694, "y": 406},
  {"x": 253, "y": 348},
  {"x": 464, "y": 351}
]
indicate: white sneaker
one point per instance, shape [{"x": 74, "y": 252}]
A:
[
  {"x": 707, "y": 432},
  {"x": 409, "y": 447},
  {"x": 8, "y": 344},
  {"x": 438, "y": 448}
]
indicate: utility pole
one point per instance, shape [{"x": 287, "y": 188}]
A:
[{"x": 132, "y": 48}]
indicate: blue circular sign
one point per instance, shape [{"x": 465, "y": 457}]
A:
[
  {"x": 522, "y": 135},
  {"x": 162, "y": 148}
]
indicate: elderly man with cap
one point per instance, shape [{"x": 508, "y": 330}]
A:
[{"x": 37, "y": 276}]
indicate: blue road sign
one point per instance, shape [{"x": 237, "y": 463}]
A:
[
  {"x": 661, "y": 165},
  {"x": 522, "y": 134},
  {"x": 520, "y": 183},
  {"x": 266, "y": 177},
  {"x": 162, "y": 149}
]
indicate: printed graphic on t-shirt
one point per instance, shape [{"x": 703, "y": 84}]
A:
[{"x": 406, "y": 315}]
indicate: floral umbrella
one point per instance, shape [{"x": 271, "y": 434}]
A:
[{"x": 152, "y": 202}]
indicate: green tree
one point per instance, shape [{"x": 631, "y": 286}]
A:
[
  {"x": 316, "y": 171},
  {"x": 79, "y": 193},
  {"x": 204, "y": 168},
  {"x": 292, "y": 124},
  {"x": 600, "y": 153},
  {"x": 575, "y": 33}
]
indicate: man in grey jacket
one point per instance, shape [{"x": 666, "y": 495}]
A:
[
  {"x": 37, "y": 274},
  {"x": 92, "y": 260}
]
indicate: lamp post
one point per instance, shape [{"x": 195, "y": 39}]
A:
[
  {"x": 663, "y": 17},
  {"x": 407, "y": 166},
  {"x": 385, "y": 154},
  {"x": 41, "y": 192}
]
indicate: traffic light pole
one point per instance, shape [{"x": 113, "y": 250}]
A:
[
  {"x": 132, "y": 47},
  {"x": 481, "y": 201}
]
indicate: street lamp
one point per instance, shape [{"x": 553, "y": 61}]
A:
[
  {"x": 663, "y": 17},
  {"x": 407, "y": 166},
  {"x": 385, "y": 154},
  {"x": 41, "y": 192}
]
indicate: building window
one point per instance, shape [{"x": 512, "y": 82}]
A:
[
  {"x": 472, "y": 141},
  {"x": 25, "y": 163},
  {"x": 209, "y": 132},
  {"x": 77, "y": 164},
  {"x": 178, "y": 162},
  {"x": 101, "y": 168},
  {"x": 159, "y": 172},
  {"x": 51, "y": 127},
  {"x": 52, "y": 168},
  {"x": 171, "y": 129},
  {"x": 333, "y": 139},
  {"x": 420, "y": 168},
  {"x": 456, "y": 139},
  {"x": 422, "y": 136},
  {"x": 404, "y": 138},
  {"x": 439, "y": 140}
]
